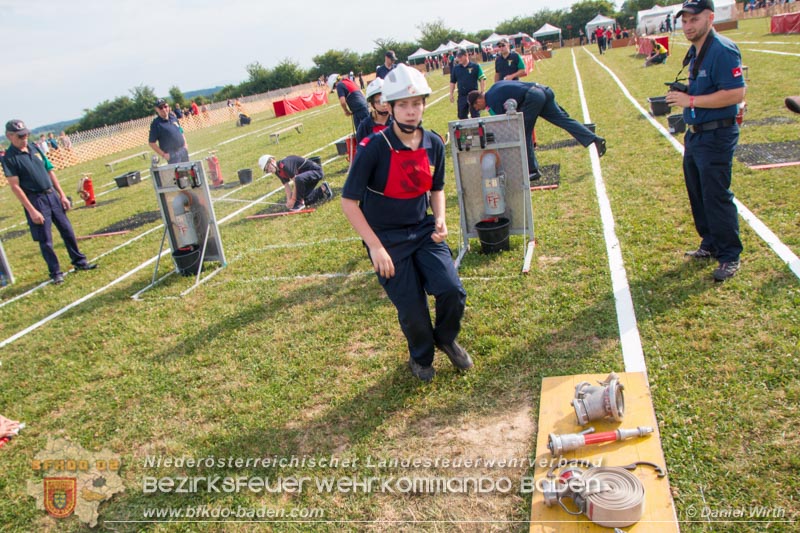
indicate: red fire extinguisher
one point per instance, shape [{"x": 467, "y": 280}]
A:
[
  {"x": 86, "y": 190},
  {"x": 214, "y": 170}
]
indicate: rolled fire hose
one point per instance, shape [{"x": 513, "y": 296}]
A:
[{"x": 609, "y": 496}]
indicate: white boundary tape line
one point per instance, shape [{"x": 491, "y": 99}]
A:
[
  {"x": 632, "y": 352},
  {"x": 772, "y": 240},
  {"x": 754, "y": 49}
]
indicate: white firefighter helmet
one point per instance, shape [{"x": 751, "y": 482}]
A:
[
  {"x": 404, "y": 82},
  {"x": 263, "y": 160},
  {"x": 374, "y": 87}
]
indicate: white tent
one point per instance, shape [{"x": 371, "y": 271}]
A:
[
  {"x": 451, "y": 45},
  {"x": 491, "y": 40},
  {"x": 599, "y": 20},
  {"x": 649, "y": 21},
  {"x": 547, "y": 29},
  {"x": 724, "y": 11},
  {"x": 467, "y": 45},
  {"x": 419, "y": 54},
  {"x": 441, "y": 49}
]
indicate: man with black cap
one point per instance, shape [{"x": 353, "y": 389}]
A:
[
  {"x": 716, "y": 87},
  {"x": 508, "y": 65},
  {"x": 166, "y": 136},
  {"x": 465, "y": 75},
  {"x": 389, "y": 60},
  {"x": 32, "y": 180}
]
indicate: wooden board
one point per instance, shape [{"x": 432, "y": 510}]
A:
[{"x": 556, "y": 415}]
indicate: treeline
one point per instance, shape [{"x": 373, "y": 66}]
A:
[{"x": 288, "y": 72}]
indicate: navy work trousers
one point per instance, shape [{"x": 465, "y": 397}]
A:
[
  {"x": 49, "y": 205},
  {"x": 707, "y": 164},
  {"x": 540, "y": 101},
  {"x": 304, "y": 184},
  {"x": 464, "y": 109},
  {"x": 428, "y": 269}
]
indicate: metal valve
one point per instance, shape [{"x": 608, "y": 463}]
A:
[{"x": 592, "y": 402}]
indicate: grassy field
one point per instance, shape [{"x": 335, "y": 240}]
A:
[{"x": 293, "y": 350}]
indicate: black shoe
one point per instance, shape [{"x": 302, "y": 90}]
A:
[
  {"x": 87, "y": 266},
  {"x": 535, "y": 175},
  {"x": 326, "y": 189},
  {"x": 423, "y": 373},
  {"x": 600, "y": 143},
  {"x": 58, "y": 279},
  {"x": 457, "y": 355},
  {"x": 701, "y": 254},
  {"x": 298, "y": 206},
  {"x": 726, "y": 270}
]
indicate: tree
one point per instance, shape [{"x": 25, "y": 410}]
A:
[
  {"x": 435, "y": 33},
  {"x": 177, "y": 96},
  {"x": 287, "y": 73},
  {"x": 335, "y": 61},
  {"x": 582, "y": 12}
]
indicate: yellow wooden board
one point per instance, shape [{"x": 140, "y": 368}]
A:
[{"x": 556, "y": 415}]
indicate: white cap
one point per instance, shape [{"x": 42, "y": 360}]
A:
[
  {"x": 404, "y": 82},
  {"x": 263, "y": 160}
]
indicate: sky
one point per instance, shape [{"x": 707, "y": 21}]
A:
[{"x": 63, "y": 56}]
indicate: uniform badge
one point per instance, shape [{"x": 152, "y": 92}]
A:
[
  {"x": 60, "y": 495},
  {"x": 737, "y": 72}
]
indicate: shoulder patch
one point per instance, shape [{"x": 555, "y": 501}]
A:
[{"x": 736, "y": 72}]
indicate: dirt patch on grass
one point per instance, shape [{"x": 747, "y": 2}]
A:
[
  {"x": 497, "y": 448},
  {"x": 132, "y": 222}
]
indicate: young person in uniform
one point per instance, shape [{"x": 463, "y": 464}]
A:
[
  {"x": 716, "y": 87},
  {"x": 389, "y": 63},
  {"x": 508, "y": 65},
  {"x": 299, "y": 177},
  {"x": 533, "y": 101},
  {"x": 352, "y": 101},
  {"x": 465, "y": 75},
  {"x": 385, "y": 199},
  {"x": 379, "y": 118}
]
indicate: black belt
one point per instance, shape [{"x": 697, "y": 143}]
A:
[
  {"x": 713, "y": 125},
  {"x": 39, "y": 193}
]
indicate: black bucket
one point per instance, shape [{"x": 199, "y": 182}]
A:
[
  {"x": 659, "y": 105},
  {"x": 676, "y": 123},
  {"x": 188, "y": 261},
  {"x": 245, "y": 175},
  {"x": 493, "y": 235},
  {"x": 590, "y": 127},
  {"x": 316, "y": 159}
]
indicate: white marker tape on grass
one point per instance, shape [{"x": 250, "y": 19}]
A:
[
  {"x": 772, "y": 240},
  {"x": 632, "y": 353},
  {"x": 771, "y": 52}
]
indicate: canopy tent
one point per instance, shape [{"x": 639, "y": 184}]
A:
[
  {"x": 420, "y": 54},
  {"x": 522, "y": 40},
  {"x": 451, "y": 45},
  {"x": 599, "y": 20},
  {"x": 491, "y": 40},
  {"x": 467, "y": 45},
  {"x": 441, "y": 49},
  {"x": 547, "y": 29},
  {"x": 649, "y": 21}
]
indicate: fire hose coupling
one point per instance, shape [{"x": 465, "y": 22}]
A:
[
  {"x": 560, "y": 444},
  {"x": 592, "y": 402}
]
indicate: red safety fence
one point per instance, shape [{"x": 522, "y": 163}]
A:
[
  {"x": 287, "y": 106},
  {"x": 786, "y": 23}
]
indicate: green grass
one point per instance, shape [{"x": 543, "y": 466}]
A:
[{"x": 258, "y": 363}]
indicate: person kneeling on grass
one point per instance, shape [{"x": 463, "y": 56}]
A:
[
  {"x": 658, "y": 56},
  {"x": 301, "y": 173},
  {"x": 385, "y": 199}
]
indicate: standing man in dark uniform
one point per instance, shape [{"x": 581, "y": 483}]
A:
[
  {"x": 466, "y": 75},
  {"x": 388, "y": 64},
  {"x": 534, "y": 100},
  {"x": 508, "y": 65},
  {"x": 352, "y": 100},
  {"x": 716, "y": 87},
  {"x": 166, "y": 136},
  {"x": 32, "y": 180}
]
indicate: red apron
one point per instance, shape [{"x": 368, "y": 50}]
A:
[{"x": 409, "y": 173}]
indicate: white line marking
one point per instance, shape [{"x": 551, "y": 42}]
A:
[
  {"x": 632, "y": 353},
  {"x": 782, "y": 251}
]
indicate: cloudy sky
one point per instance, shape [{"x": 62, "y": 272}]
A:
[{"x": 63, "y": 56}]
